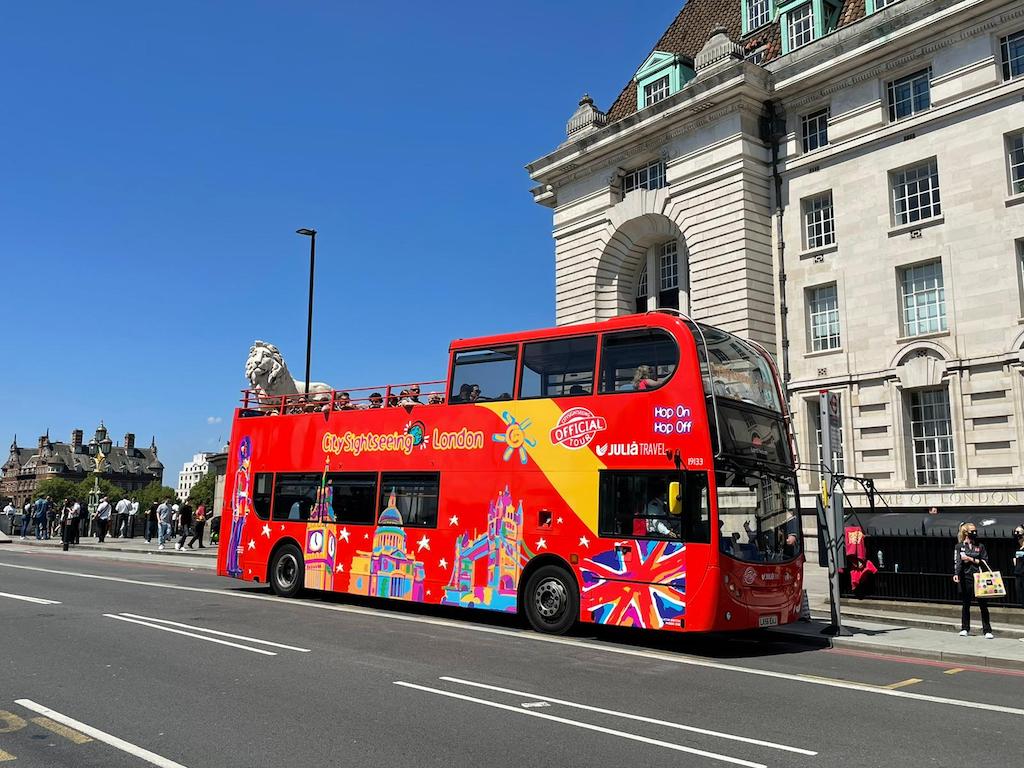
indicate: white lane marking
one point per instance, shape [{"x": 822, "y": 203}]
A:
[
  {"x": 27, "y": 599},
  {"x": 468, "y": 626},
  {"x": 190, "y": 634},
  {"x": 628, "y": 716},
  {"x": 98, "y": 735},
  {"x": 217, "y": 632},
  {"x": 587, "y": 726}
]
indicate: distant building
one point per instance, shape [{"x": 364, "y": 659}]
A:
[
  {"x": 126, "y": 466},
  {"x": 192, "y": 473}
]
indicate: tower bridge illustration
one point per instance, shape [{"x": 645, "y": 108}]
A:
[{"x": 487, "y": 567}]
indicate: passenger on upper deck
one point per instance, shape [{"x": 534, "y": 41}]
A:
[
  {"x": 343, "y": 402},
  {"x": 474, "y": 393},
  {"x": 644, "y": 378},
  {"x": 436, "y": 399},
  {"x": 376, "y": 400}
]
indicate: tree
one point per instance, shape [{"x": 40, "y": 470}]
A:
[
  {"x": 202, "y": 492},
  {"x": 107, "y": 488},
  {"x": 153, "y": 492},
  {"x": 58, "y": 489}
]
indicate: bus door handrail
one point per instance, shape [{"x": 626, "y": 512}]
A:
[{"x": 707, "y": 361}]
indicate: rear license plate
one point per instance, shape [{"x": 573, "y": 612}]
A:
[{"x": 771, "y": 620}]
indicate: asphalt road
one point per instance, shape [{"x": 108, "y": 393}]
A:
[{"x": 202, "y": 671}]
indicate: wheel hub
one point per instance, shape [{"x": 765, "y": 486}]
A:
[{"x": 551, "y": 598}]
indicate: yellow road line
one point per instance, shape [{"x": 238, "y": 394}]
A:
[
  {"x": 953, "y": 671},
  {"x": 904, "y": 683},
  {"x": 61, "y": 730},
  {"x": 5, "y": 756},
  {"x": 11, "y": 722}
]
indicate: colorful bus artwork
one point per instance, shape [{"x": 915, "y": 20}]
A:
[{"x": 635, "y": 472}]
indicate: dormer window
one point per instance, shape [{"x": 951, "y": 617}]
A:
[
  {"x": 661, "y": 75},
  {"x": 804, "y": 22},
  {"x": 800, "y": 26},
  {"x": 756, "y": 14},
  {"x": 656, "y": 91}
]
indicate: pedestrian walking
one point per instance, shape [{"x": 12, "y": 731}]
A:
[
  {"x": 76, "y": 522},
  {"x": 52, "y": 513},
  {"x": 151, "y": 522},
  {"x": 175, "y": 512},
  {"x": 120, "y": 517},
  {"x": 1018, "y": 563},
  {"x": 103, "y": 512},
  {"x": 67, "y": 523},
  {"x": 968, "y": 558},
  {"x": 184, "y": 523},
  {"x": 9, "y": 513},
  {"x": 163, "y": 515},
  {"x": 39, "y": 516},
  {"x": 129, "y": 526},
  {"x": 26, "y": 519},
  {"x": 198, "y": 523}
]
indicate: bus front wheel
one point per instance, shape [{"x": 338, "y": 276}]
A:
[
  {"x": 551, "y": 600},
  {"x": 286, "y": 571}
]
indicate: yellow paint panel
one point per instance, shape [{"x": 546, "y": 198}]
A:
[
  {"x": 10, "y": 722},
  {"x": 953, "y": 671},
  {"x": 61, "y": 730},
  {"x": 5, "y": 756},
  {"x": 573, "y": 473},
  {"x": 904, "y": 683}
]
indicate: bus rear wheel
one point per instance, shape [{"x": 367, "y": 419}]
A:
[
  {"x": 286, "y": 571},
  {"x": 551, "y": 600}
]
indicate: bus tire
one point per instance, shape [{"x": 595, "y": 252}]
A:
[
  {"x": 287, "y": 571},
  {"x": 551, "y": 600}
]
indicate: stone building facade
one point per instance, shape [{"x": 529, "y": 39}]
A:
[
  {"x": 126, "y": 466},
  {"x": 191, "y": 473},
  {"x": 844, "y": 183}
]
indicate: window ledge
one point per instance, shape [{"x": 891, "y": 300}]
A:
[
  {"x": 823, "y": 352},
  {"x": 922, "y": 337},
  {"x": 810, "y": 253},
  {"x": 903, "y": 229},
  {"x": 1017, "y": 199}
]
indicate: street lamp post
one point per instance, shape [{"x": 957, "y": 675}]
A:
[{"x": 311, "y": 234}]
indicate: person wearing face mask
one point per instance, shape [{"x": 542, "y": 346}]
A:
[
  {"x": 967, "y": 561},
  {"x": 1018, "y": 562}
]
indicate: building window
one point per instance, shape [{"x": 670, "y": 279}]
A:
[
  {"x": 656, "y": 91},
  {"x": 924, "y": 299},
  {"x": 814, "y": 130},
  {"x": 1020, "y": 272},
  {"x": 759, "y": 13},
  {"x": 880, "y": 4},
  {"x": 915, "y": 193},
  {"x": 1015, "y": 154},
  {"x": 933, "y": 437},
  {"x": 823, "y": 312},
  {"x": 800, "y": 23},
  {"x": 910, "y": 95},
  {"x": 641, "y": 291},
  {"x": 668, "y": 270},
  {"x": 1012, "y": 49},
  {"x": 757, "y": 55},
  {"x": 651, "y": 176},
  {"x": 819, "y": 222}
]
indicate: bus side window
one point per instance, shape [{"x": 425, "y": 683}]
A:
[
  {"x": 295, "y": 495},
  {"x": 636, "y": 504},
  {"x": 696, "y": 516},
  {"x": 262, "y": 493},
  {"x": 480, "y": 375},
  {"x": 637, "y": 360}
]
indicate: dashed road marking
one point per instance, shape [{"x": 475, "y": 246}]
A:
[
  {"x": 953, "y": 671},
  {"x": 30, "y": 599}
]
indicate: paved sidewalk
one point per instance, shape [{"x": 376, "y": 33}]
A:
[
  {"x": 902, "y": 640},
  {"x": 137, "y": 544}
]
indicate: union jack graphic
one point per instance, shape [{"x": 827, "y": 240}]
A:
[{"x": 644, "y": 586}]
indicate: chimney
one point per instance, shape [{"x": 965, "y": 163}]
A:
[
  {"x": 76, "y": 441},
  {"x": 43, "y": 440},
  {"x": 129, "y": 441}
]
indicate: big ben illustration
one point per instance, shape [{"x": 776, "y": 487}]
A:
[{"x": 321, "y": 549}]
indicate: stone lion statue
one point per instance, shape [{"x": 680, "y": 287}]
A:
[{"x": 268, "y": 374}]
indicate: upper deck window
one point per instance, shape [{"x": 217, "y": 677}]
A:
[
  {"x": 637, "y": 360},
  {"x": 559, "y": 368},
  {"x": 737, "y": 370},
  {"x": 481, "y": 375}
]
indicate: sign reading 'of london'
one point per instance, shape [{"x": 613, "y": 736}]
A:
[{"x": 577, "y": 428}]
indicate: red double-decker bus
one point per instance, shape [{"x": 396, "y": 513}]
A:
[{"x": 634, "y": 472}]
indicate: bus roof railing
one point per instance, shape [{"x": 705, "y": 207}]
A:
[{"x": 256, "y": 402}]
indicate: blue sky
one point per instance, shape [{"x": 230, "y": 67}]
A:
[{"x": 158, "y": 157}]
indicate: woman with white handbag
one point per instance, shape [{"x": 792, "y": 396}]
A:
[{"x": 967, "y": 561}]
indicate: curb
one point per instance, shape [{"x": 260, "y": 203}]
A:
[
  {"x": 1003, "y": 630},
  {"x": 825, "y": 641},
  {"x": 208, "y": 551}
]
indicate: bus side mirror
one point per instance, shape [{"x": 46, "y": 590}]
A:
[{"x": 675, "y": 498}]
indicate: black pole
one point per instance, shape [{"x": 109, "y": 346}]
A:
[{"x": 309, "y": 318}]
